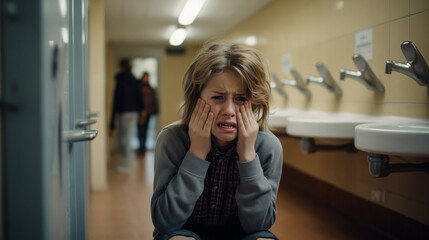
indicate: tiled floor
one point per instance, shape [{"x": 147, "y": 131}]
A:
[{"x": 123, "y": 212}]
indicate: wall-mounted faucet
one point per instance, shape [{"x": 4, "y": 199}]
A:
[
  {"x": 325, "y": 79},
  {"x": 415, "y": 67},
  {"x": 297, "y": 82},
  {"x": 364, "y": 74},
  {"x": 278, "y": 86}
]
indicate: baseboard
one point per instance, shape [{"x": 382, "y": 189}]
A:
[{"x": 368, "y": 213}]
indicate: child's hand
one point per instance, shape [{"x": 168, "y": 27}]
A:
[
  {"x": 247, "y": 131},
  {"x": 200, "y": 129}
]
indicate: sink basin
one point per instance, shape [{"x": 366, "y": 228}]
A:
[
  {"x": 278, "y": 117},
  {"x": 407, "y": 140},
  {"x": 329, "y": 128}
]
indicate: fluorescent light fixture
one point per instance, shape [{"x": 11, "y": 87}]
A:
[
  {"x": 178, "y": 36},
  {"x": 190, "y": 11}
]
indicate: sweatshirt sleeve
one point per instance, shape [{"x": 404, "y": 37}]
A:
[
  {"x": 179, "y": 180},
  {"x": 256, "y": 194}
]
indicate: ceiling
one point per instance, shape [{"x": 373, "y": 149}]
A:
[{"x": 153, "y": 21}]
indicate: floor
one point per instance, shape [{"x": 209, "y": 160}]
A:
[{"x": 123, "y": 212}]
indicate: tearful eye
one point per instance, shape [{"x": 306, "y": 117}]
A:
[{"x": 241, "y": 99}]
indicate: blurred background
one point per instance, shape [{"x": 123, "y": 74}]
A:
[{"x": 58, "y": 62}]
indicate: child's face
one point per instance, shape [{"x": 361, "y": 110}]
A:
[{"x": 225, "y": 93}]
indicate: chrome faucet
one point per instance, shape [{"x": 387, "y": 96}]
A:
[
  {"x": 297, "y": 82},
  {"x": 415, "y": 67},
  {"x": 278, "y": 86},
  {"x": 325, "y": 79},
  {"x": 364, "y": 74}
]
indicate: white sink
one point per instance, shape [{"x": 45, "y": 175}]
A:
[
  {"x": 329, "y": 128},
  {"x": 279, "y": 116},
  {"x": 408, "y": 140}
]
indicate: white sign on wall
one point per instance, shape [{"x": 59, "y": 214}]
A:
[{"x": 363, "y": 43}]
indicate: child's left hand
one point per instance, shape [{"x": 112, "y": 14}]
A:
[{"x": 247, "y": 131}]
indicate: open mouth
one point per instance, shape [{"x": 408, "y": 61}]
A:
[{"x": 225, "y": 125}]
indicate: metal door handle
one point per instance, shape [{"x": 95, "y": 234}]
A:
[
  {"x": 80, "y": 135},
  {"x": 83, "y": 123}
]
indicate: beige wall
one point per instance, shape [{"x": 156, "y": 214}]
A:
[
  {"x": 111, "y": 69},
  {"x": 97, "y": 98},
  {"x": 172, "y": 70},
  {"x": 314, "y": 30}
]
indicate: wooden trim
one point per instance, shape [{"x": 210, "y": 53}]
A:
[{"x": 368, "y": 213}]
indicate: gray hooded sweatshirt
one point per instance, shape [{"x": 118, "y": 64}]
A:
[{"x": 179, "y": 182}]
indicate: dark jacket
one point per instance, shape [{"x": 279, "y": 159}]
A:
[
  {"x": 149, "y": 99},
  {"x": 127, "y": 96}
]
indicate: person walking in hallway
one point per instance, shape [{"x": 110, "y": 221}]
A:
[
  {"x": 150, "y": 107},
  {"x": 127, "y": 105}
]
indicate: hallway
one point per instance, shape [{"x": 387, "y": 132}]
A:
[{"x": 123, "y": 212}]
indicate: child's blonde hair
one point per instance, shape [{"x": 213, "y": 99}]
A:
[{"x": 246, "y": 63}]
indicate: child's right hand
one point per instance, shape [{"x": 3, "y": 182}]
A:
[{"x": 200, "y": 129}]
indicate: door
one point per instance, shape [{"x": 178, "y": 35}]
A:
[
  {"x": 44, "y": 126},
  {"x": 79, "y": 117}
]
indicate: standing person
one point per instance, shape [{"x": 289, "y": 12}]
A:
[
  {"x": 127, "y": 105},
  {"x": 217, "y": 172},
  {"x": 150, "y": 107}
]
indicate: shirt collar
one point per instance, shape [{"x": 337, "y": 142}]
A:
[{"x": 216, "y": 152}]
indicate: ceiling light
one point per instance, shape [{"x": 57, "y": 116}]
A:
[
  {"x": 178, "y": 36},
  {"x": 251, "y": 41},
  {"x": 190, "y": 11}
]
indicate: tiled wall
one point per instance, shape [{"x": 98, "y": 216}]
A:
[
  {"x": 317, "y": 30},
  {"x": 324, "y": 30}
]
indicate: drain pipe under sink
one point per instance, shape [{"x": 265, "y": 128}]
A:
[
  {"x": 308, "y": 146},
  {"x": 379, "y": 166}
]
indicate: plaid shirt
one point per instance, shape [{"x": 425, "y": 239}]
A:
[{"x": 217, "y": 205}]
